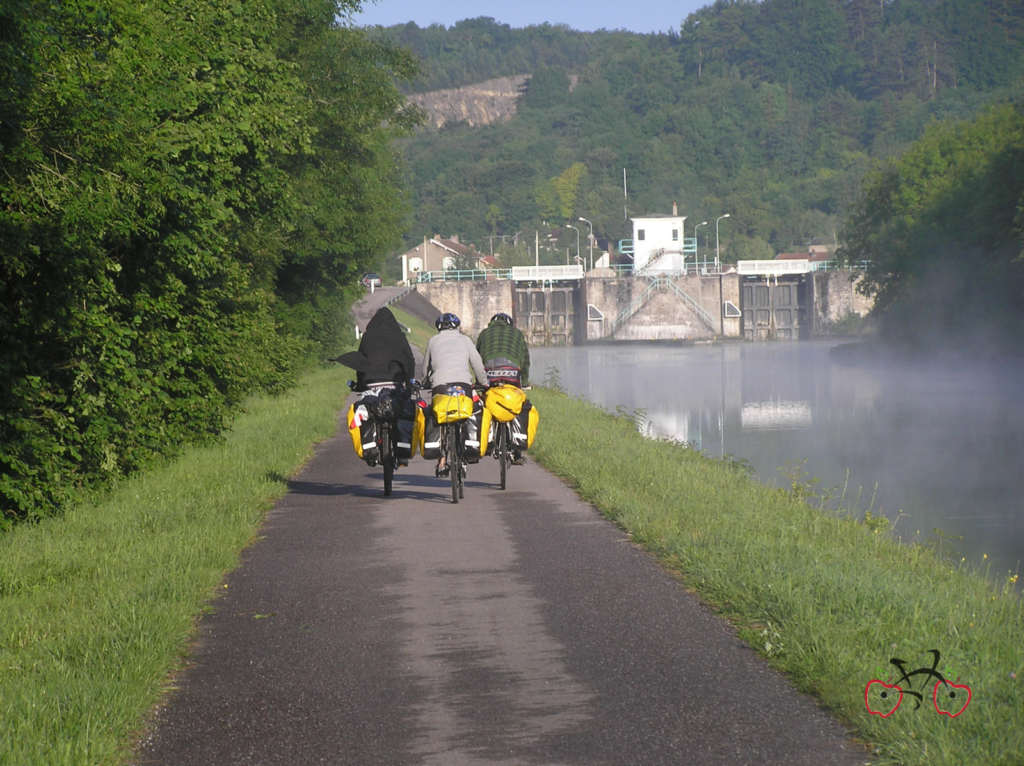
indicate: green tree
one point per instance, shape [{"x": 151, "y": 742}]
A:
[
  {"x": 941, "y": 226},
  {"x": 546, "y": 87},
  {"x": 162, "y": 165}
]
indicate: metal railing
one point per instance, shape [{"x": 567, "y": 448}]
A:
[
  {"x": 693, "y": 304},
  {"x": 547, "y": 273},
  {"x": 789, "y": 266},
  {"x": 649, "y": 270},
  {"x": 656, "y": 284},
  {"x": 462, "y": 275}
]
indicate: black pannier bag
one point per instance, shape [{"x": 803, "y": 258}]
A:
[
  {"x": 431, "y": 435},
  {"x": 380, "y": 402},
  {"x": 471, "y": 429},
  {"x": 402, "y": 440},
  {"x": 520, "y": 427}
]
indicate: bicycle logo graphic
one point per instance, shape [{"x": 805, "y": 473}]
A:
[{"x": 883, "y": 699}]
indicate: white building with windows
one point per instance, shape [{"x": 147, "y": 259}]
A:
[{"x": 659, "y": 244}]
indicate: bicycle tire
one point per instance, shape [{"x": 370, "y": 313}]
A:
[
  {"x": 503, "y": 455},
  {"x": 460, "y": 452},
  {"x": 387, "y": 457},
  {"x": 454, "y": 468},
  {"x": 460, "y": 448}
]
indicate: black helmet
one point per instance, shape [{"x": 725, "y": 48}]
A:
[
  {"x": 447, "y": 321},
  {"x": 502, "y": 317}
]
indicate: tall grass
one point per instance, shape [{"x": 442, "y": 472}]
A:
[
  {"x": 826, "y": 599},
  {"x": 97, "y": 607}
]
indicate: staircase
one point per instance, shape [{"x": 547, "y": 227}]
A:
[{"x": 657, "y": 284}]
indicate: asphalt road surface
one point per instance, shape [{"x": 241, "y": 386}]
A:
[{"x": 516, "y": 627}]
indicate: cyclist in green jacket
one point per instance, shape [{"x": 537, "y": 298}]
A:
[
  {"x": 504, "y": 351},
  {"x": 506, "y": 357}
]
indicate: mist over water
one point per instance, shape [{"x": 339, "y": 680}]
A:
[{"x": 938, "y": 444}]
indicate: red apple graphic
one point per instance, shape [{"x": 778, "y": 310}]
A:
[
  {"x": 886, "y": 693},
  {"x": 951, "y": 699}
]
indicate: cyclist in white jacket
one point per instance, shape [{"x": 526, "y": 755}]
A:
[{"x": 450, "y": 359}]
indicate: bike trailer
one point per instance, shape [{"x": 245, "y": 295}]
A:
[{"x": 504, "y": 402}]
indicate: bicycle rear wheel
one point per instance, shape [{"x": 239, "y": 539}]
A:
[
  {"x": 504, "y": 458},
  {"x": 452, "y": 458},
  {"x": 387, "y": 456}
]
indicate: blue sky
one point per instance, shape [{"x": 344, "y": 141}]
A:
[{"x": 635, "y": 16}]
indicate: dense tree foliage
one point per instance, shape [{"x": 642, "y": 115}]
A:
[
  {"x": 771, "y": 111},
  {"x": 186, "y": 189},
  {"x": 943, "y": 229},
  {"x": 481, "y": 48}
]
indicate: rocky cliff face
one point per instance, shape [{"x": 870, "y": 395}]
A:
[{"x": 480, "y": 104}]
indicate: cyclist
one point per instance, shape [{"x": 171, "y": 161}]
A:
[
  {"x": 451, "y": 359},
  {"x": 506, "y": 356},
  {"x": 504, "y": 351},
  {"x": 384, "y": 356},
  {"x": 384, "y": 353}
]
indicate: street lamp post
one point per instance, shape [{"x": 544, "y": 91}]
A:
[
  {"x": 591, "y": 241},
  {"x": 696, "y": 242},
  {"x": 727, "y": 215},
  {"x": 577, "y": 239}
]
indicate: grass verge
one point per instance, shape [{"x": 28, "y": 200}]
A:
[
  {"x": 826, "y": 599},
  {"x": 97, "y": 607},
  {"x": 419, "y": 331}
]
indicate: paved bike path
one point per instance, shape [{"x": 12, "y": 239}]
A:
[{"x": 516, "y": 627}]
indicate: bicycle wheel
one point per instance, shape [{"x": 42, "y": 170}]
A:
[
  {"x": 504, "y": 458},
  {"x": 459, "y": 447},
  {"x": 452, "y": 454},
  {"x": 387, "y": 457}
]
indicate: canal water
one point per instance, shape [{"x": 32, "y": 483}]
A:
[{"x": 937, "y": 447}]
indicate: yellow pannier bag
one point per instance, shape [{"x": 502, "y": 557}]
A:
[
  {"x": 418, "y": 427},
  {"x": 485, "y": 431},
  {"x": 354, "y": 430},
  {"x": 504, "y": 402},
  {"x": 531, "y": 427},
  {"x": 450, "y": 408}
]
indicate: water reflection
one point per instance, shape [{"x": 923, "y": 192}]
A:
[{"x": 940, "y": 444}]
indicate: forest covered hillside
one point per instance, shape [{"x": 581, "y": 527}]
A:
[{"x": 771, "y": 111}]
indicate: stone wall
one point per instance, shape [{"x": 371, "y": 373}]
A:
[
  {"x": 665, "y": 315},
  {"x": 834, "y": 296},
  {"x": 474, "y": 302}
]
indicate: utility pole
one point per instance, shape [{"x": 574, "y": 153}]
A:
[{"x": 625, "y": 197}]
